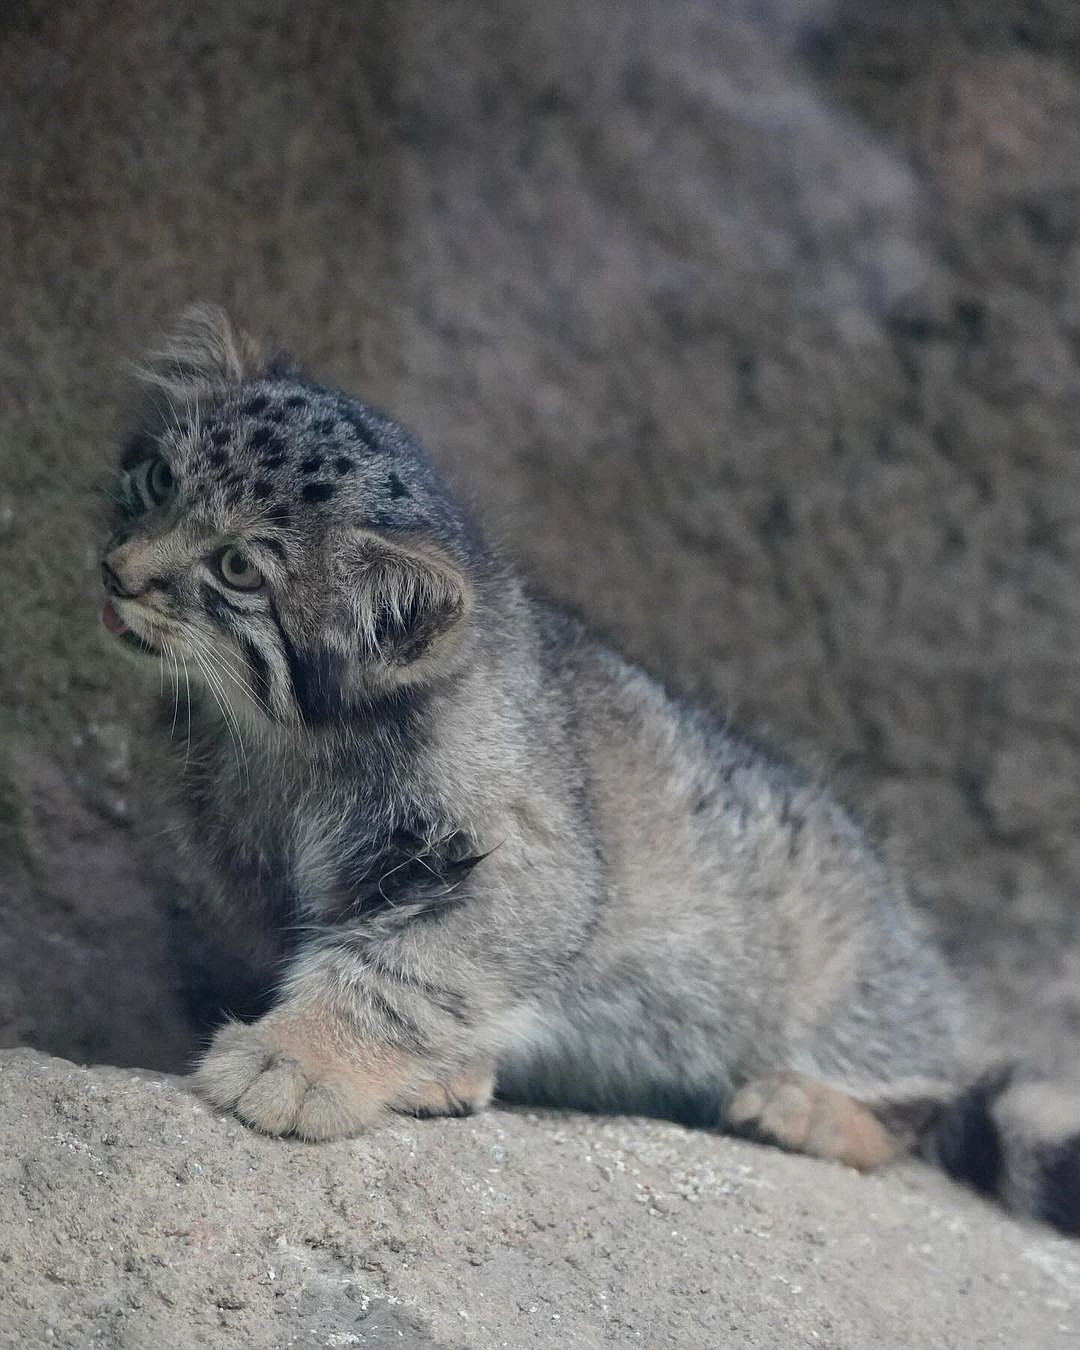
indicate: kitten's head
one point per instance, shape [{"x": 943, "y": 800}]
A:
[{"x": 295, "y": 550}]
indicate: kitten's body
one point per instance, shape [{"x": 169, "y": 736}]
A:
[{"x": 482, "y": 848}]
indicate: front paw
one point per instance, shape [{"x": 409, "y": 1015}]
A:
[
  {"x": 295, "y": 1073},
  {"x": 459, "y": 1094}
]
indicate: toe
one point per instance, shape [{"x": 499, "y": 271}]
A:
[
  {"x": 233, "y": 1061},
  {"x": 331, "y": 1111},
  {"x": 272, "y": 1103},
  {"x": 787, "y": 1115},
  {"x": 745, "y": 1107}
]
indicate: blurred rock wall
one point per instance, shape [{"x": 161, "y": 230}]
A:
[{"x": 752, "y": 328}]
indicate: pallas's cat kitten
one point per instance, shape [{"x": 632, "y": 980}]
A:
[{"x": 474, "y": 849}]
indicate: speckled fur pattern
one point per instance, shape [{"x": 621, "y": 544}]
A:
[{"x": 463, "y": 842}]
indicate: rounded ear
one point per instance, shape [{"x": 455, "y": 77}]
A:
[
  {"x": 204, "y": 353},
  {"x": 406, "y": 602}
]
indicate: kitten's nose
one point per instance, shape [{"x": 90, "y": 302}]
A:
[{"x": 112, "y": 582}]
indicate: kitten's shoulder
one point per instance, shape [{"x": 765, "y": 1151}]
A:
[{"x": 614, "y": 696}]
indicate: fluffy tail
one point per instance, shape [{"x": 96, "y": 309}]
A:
[{"x": 1015, "y": 1140}]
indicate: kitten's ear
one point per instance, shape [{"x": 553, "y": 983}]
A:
[
  {"x": 204, "y": 353},
  {"x": 407, "y": 603}
]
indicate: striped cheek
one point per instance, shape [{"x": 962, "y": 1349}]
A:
[
  {"x": 258, "y": 654},
  {"x": 317, "y": 678}
]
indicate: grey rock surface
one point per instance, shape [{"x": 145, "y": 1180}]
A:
[{"x": 131, "y": 1216}]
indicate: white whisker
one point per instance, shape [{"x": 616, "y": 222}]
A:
[
  {"x": 224, "y": 668},
  {"x": 187, "y": 691},
  {"x": 215, "y": 686},
  {"x": 176, "y": 686}
]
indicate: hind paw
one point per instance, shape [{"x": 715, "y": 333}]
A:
[{"x": 802, "y": 1116}]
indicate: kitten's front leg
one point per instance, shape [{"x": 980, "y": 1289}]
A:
[{"x": 336, "y": 1054}]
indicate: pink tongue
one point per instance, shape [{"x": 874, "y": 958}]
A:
[{"x": 112, "y": 621}]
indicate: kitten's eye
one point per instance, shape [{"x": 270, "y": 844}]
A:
[
  {"x": 237, "y": 570},
  {"x": 158, "y": 481}
]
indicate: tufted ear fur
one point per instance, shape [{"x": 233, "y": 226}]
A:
[
  {"x": 405, "y": 605},
  {"x": 203, "y": 354}
]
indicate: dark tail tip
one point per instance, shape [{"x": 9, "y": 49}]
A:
[
  {"x": 1058, "y": 1184},
  {"x": 966, "y": 1141},
  {"x": 1033, "y": 1176}
]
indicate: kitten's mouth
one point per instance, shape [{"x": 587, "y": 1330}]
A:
[{"x": 115, "y": 624}]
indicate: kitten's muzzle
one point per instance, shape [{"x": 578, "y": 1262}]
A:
[
  {"x": 112, "y": 583},
  {"x": 116, "y": 625},
  {"x": 110, "y": 615}
]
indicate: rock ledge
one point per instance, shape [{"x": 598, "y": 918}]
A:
[{"x": 132, "y": 1216}]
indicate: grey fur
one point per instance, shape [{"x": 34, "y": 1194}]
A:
[{"x": 462, "y": 838}]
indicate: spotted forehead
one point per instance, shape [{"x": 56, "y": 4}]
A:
[{"x": 281, "y": 448}]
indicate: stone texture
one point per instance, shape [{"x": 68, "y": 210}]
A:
[{"x": 132, "y": 1217}]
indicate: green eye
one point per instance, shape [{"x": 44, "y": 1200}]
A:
[
  {"x": 238, "y": 571},
  {"x": 158, "y": 481}
]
